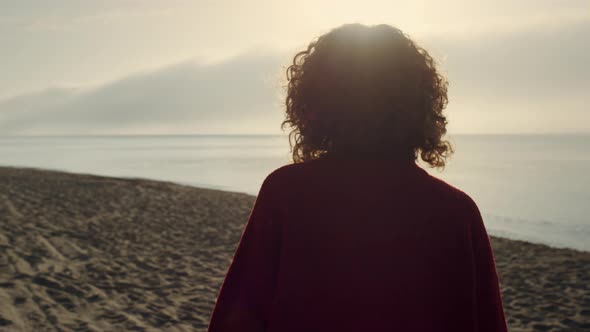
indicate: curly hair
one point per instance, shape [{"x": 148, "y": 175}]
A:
[{"x": 366, "y": 91}]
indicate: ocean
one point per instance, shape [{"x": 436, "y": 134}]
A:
[{"x": 528, "y": 187}]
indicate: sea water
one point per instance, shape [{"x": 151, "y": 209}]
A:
[{"x": 529, "y": 187}]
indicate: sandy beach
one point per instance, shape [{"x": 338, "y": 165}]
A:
[{"x": 91, "y": 253}]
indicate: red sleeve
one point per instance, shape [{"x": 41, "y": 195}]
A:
[
  {"x": 489, "y": 309},
  {"x": 247, "y": 291}
]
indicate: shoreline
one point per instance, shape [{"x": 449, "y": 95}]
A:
[
  {"x": 492, "y": 232},
  {"x": 99, "y": 253}
]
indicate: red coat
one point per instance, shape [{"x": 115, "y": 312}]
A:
[{"x": 360, "y": 245}]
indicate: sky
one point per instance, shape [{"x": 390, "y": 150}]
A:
[{"x": 217, "y": 67}]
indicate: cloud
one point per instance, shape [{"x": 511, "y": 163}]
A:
[
  {"x": 544, "y": 61},
  {"x": 534, "y": 79},
  {"x": 238, "y": 95}
]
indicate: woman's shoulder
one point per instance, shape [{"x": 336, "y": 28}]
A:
[
  {"x": 449, "y": 193},
  {"x": 295, "y": 170},
  {"x": 289, "y": 179},
  {"x": 290, "y": 176},
  {"x": 284, "y": 173}
]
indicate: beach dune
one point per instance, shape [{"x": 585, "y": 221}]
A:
[{"x": 90, "y": 253}]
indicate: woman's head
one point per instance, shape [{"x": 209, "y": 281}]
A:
[{"x": 366, "y": 91}]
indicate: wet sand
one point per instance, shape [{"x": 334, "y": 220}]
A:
[{"x": 90, "y": 253}]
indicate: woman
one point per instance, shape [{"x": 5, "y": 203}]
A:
[{"x": 355, "y": 236}]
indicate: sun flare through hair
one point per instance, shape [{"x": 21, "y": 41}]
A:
[{"x": 369, "y": 91}]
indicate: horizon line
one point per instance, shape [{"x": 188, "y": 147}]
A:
[{"x": 278, "y": 135}]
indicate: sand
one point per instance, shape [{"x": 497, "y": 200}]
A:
[{"x": 90, "y": 253}]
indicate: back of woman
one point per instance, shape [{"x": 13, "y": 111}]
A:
[{"x": 354, "y": 235}]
